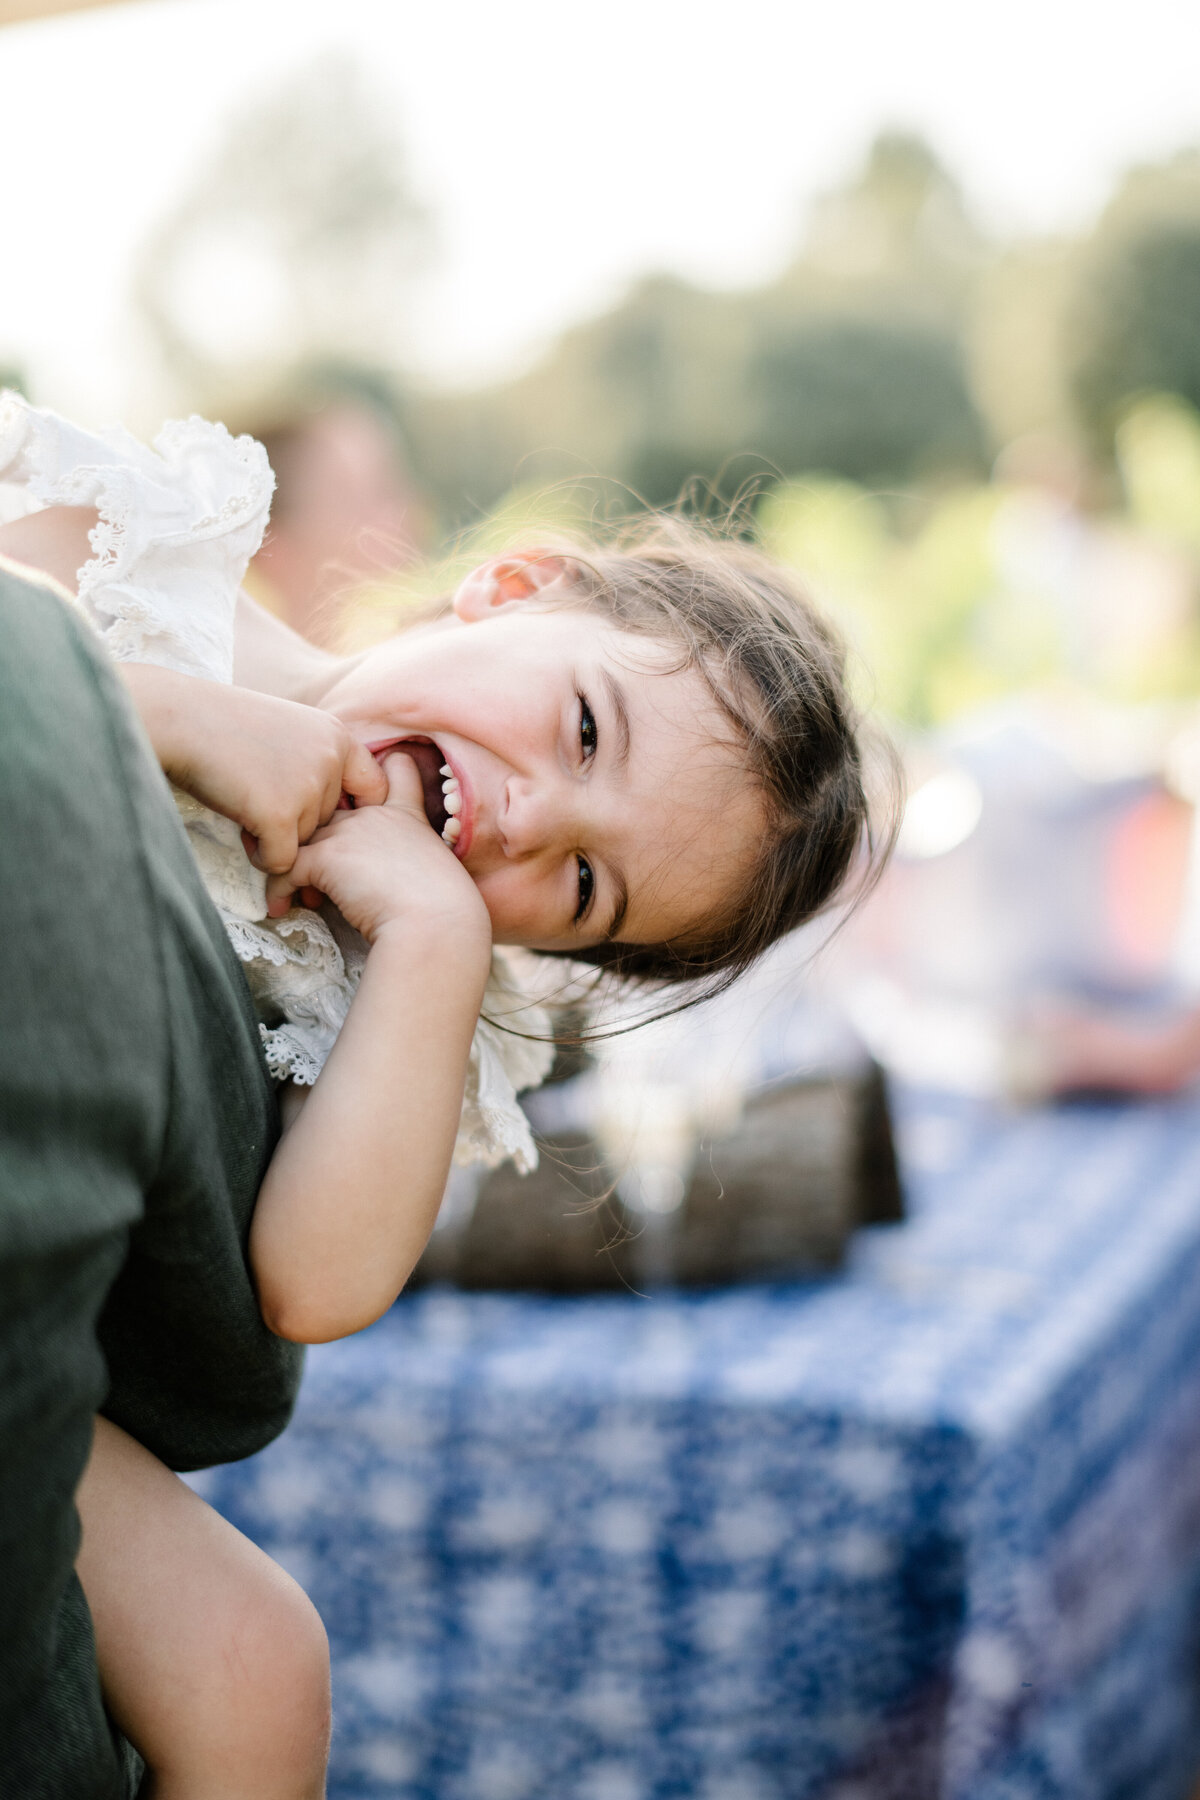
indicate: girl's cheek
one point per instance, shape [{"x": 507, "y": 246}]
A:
[{"x": 513, "y": 907}]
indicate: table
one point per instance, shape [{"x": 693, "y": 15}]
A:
[{"x": 930, "y": 1528}]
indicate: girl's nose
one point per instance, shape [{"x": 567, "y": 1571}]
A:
[{"x": 536, "y": 816}]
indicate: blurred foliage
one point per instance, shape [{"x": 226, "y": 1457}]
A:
[
  {"x": 986, "y": 457},
  {"x": 875, "y": 400},
  {"x": 1014, "y": 337},
  {"x": 851, "y": 363},
  {"x": 899, "y": 346},
  {"x": 994, "y": 587},
  {"x": 1137, "y": 297},
  {"x": 1158, "y": 454}
]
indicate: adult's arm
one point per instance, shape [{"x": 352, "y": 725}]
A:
[
  {"x": 136, "y": 1121},
  {"x": 82, "y": 1113}
]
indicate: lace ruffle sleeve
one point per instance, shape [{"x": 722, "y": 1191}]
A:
[{"x": 178, "y": 524}]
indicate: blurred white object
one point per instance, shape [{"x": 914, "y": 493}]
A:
[
  {"x": 648, "y": 1130},
  {"x": 956, "y": 1045},
  {"x": 941, "y": 814}
]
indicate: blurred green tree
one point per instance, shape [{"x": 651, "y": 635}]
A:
[
  {"x": 851, "y": 362},
  {"x": 869, "y": 398},
  {"x": 857, "y": 361},
  {"x": 643, "y": 397},
  {"x": 1137, "y": 298}
]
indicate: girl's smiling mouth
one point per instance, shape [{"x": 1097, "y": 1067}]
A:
[{"x": 443, "y": 791}]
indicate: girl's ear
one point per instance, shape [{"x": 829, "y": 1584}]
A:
[{"x": 517, "y": 576}]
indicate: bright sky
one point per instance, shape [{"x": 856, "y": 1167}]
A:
[{"x": 564, "y": 148}]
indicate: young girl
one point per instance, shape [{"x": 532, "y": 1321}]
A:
[{"x": 642, "y": 758}]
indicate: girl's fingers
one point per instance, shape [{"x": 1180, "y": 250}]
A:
[
  {"x": 281, "y": 887},
  {"x": 277, "y": 846},
  {"x": 363, "y": 777},
  {"x": 331, "y": 859},
  {"x": 282, "y": 896},
  {"x": 403, "y": 782},
  {"x": 322, "y": 810}
]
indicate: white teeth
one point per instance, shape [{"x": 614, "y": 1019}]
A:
[{"x": 452, "y": 800}]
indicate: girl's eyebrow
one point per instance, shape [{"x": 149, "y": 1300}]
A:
[
  {"x": 620, "y": 711},
  {"x": 621, "y": 893}
]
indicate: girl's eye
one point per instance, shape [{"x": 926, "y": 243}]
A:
[
  {"x": 589, "y": 737},
  {"x": 587, "y": 887}
]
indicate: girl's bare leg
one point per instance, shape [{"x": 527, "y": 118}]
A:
[{"x": 213, "y": 1661}]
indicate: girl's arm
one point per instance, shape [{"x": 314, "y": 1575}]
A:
[
  {"x": 353, "y": 1189},
  {"x": 54, "y": 540},
  {"x": 273, "y": 659}
]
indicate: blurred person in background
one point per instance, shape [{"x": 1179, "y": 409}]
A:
[
  {"x": 1103, "y": 1052},
  {"x": 347, "y": 509},
  {"x": 1147, "y": 1049}
]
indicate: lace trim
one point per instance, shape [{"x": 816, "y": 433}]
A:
[
  {"x": 200, "y": 497},
  {"x": 270, "y": 941},
  {"x": 288, "y": 1057}
]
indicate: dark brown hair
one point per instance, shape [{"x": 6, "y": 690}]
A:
[{"x": 777, "y": 669}]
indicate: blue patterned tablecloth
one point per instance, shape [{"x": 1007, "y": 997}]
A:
[{"x": 931, "y": 1528}]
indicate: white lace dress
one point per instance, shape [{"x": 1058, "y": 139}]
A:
[{"x": 178, "y": 524}]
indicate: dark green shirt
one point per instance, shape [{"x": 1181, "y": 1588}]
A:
[{"x": 136, "y": 1120}]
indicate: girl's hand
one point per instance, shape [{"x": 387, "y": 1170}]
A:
[
  {"x": 277, "y": 768},
  {"x": 384, "y": 866}
]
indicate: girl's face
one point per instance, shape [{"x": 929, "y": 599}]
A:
[{"x": 602, "y": 794}]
